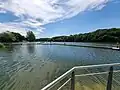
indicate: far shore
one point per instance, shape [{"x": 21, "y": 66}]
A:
[{"x": 73, "y": 44}]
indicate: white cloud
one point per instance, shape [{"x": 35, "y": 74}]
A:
[
  {"x": 12, "y": 28},
  {"x": 34, "y": 13},
  {"x": 2, "y": 11}
]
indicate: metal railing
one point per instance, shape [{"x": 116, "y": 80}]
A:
[{"x": 71, "y": 75}]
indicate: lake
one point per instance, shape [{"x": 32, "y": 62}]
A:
[{"x": 31, "y": 67}]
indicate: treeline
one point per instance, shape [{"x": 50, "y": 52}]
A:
[
  {"x": 16, "y": 37},
  {"x": 100, "y": 35}
]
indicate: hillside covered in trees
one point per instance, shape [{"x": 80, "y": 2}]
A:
[
  {"x": 11, "y": 37},
  {"x": 16, "y": 37},
  {"x": 100, "y": 35}
]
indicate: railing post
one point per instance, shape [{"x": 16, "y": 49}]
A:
[
  {"x": 110, "y": 76},
  {"x": 73, "y": 81}
]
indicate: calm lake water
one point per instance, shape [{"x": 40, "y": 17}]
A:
[{"x": 31, "y": 67}]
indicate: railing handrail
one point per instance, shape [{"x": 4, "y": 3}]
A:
[
  {"x": 58, "y": 79},
  {"x": 99, "y": 65},
  {"x": 71, "y": 70}
]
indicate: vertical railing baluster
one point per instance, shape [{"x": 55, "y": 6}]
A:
[
  {"x": 110, "y": 76},
  {"x": 73, "y": 81}
]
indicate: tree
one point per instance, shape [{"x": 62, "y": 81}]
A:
[
  {"x": 100, "y": 35},
  {"x": 30, "y": 36},
  {"x": 7, "y": 37},
  {"x": 19, "y": 37},
  {"x": 11, "y": 37}
]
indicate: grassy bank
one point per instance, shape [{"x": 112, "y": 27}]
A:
[{"x": 2, "y": 46}]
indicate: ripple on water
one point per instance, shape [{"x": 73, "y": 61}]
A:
[{"x": 31, "y": 69}]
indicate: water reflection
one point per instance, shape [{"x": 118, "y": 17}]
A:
[
  {"x": 9, "y": 47},
  {"x": 12, "y": 47},
  {"x": 31, "y": 48}
]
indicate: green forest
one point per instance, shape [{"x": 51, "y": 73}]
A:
[
  {"x": 16, "y": 37},
  {"x": 100, "y": 35}
]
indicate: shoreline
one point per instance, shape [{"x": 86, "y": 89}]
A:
[{"x": 62, "y": 44}]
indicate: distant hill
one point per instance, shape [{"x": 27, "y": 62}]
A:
[
  {"x": 11, "y": 37},
  {"x": 100, "y": 35},
  {"x": 8, "y": 37}
]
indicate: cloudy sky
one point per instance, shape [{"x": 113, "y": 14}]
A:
[{"x": 47, "y": 18}]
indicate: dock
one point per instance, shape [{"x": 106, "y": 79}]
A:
[{"x": 91, "y": 77}]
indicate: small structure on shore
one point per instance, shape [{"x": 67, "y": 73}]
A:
[{"x": 116, "y": 47}]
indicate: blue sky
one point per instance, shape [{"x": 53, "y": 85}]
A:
[{"x": 48, "y": 18}]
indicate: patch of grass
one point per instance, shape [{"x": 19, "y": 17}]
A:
[
  {"x": 78, "y": 86},
  {"x": 2, "y": 46}
]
